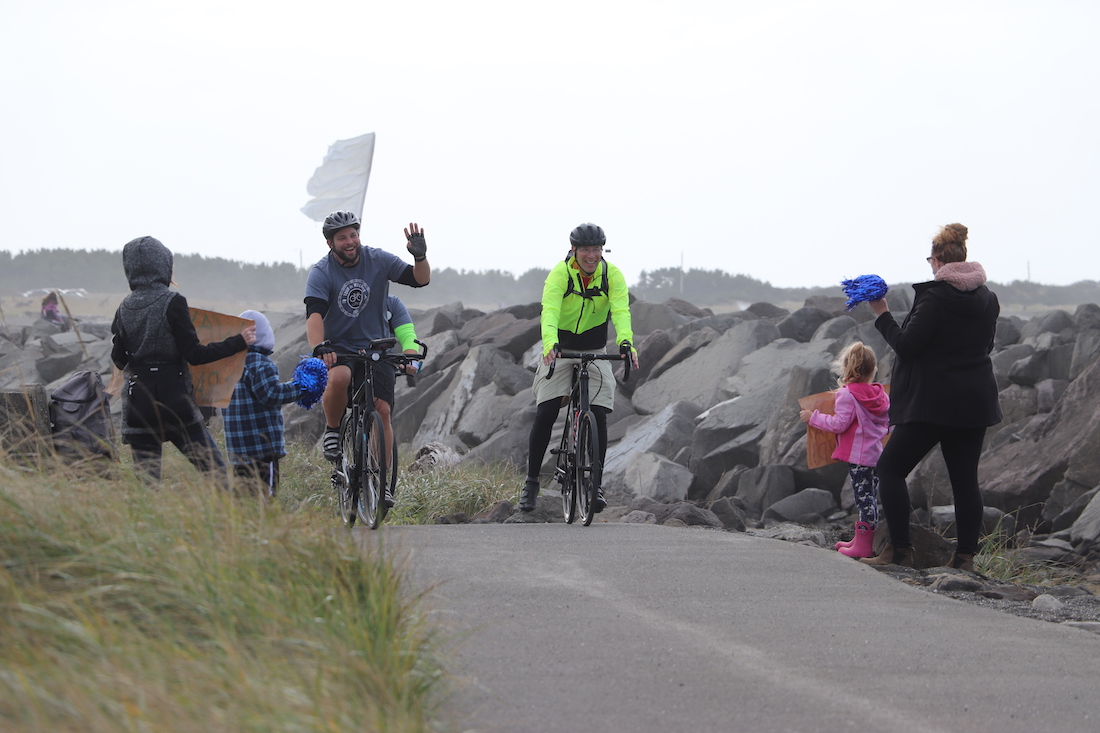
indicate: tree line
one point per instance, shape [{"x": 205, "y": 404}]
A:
[{"x": 216, "y": 278}]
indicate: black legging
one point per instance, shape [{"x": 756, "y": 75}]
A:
[
  {"x": 961, "y": 449},
  {"x": 194, "y": 442},
  {"x": 545, "y": 416}
]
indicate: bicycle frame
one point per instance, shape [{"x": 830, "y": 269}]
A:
[
  {"x": 578, "y": 470},
  {"x": 360, "y": 476}
]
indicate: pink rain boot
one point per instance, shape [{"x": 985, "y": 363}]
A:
[
  {"x": 842, "y": 543},
  {"x": 861, "y": 545}
]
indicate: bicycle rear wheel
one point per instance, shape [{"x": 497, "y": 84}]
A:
[
  {"x": 588, "y": 466},
  {"x": 344, "y": 475},
  {"x": 372, "y": 473}
]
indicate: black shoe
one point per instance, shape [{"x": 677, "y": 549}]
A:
[
  {"x": 600, "y": 503},
  {"x": 387, "y": 498},
  {"x": 330, "y": 444},
  {"x": 530, "y": 494}
]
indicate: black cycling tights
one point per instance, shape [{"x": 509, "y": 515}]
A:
[
  {"x": 961, "y": 448},
  {"x": 545, "y": 417}
]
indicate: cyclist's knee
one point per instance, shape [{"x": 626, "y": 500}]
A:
[
  {"x": 339, "y": 377},
  {"x": 383, "y": 408}
]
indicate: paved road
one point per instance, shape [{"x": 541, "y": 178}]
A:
[{"x": 640, "y": 628}]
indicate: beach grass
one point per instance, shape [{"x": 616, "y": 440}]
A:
[{"x": 184, "y": 608}]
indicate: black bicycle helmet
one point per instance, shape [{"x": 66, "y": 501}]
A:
[
  {"x": 338, "y": 220},
  {"x": 587, "y": 235}
]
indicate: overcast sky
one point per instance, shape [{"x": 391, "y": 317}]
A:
[{"x": 799, "y": 143}]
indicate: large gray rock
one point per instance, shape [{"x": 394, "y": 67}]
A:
[
  {"x": 514, "y": 379},
  {"x": 808, "y": 506},
  {"x": 802, "y": 324},
  {"x": 1004, "y": 360},
  {"x": 687, "y": 346},
  {"x": 1053, "y": 322},
  {"x": 1051, "y": 363},
  {"x": 509, "y": 444},
  {"x": 1087, "y": 527},
  {"x": 834, "y": 328},
  {"x": 645, "y": 318},
  {"x": 1019, "y": 474},
  {"x": 689, "y": 515},
  {"x": 663, "y": 434},
  {"x": 729, "y": 514},
  {"x": 476, "y": 371},
  {"x": 658, "y": 478},
  {"x": 513, "y": 338},
  {"x": 763, "y": 486},
  {"x": 651, "y": 350},
  {"x": 1018, "y": 403},
  {"x": 1008, "y": 332},
  {"x": 55, "y": 366},
  {"x": 411, "y": 406},
  {"x": 700, "y": 377},
  {"x": 483, "y": 415}
]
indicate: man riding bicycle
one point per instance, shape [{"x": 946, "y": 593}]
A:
[
  {"x": 346, "y": 308},
  {"x": 579, "y": 297}
]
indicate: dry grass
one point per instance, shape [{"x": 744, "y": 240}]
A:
[{"x": 128, "y": 608}]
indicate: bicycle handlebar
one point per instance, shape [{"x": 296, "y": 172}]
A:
[
  {"x": 589, "y": 356},
  {"x": 376, "y": 351}
]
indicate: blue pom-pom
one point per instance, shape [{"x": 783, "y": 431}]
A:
[
  {"x": 311, "y": 376},
  {"x": 863, "y": 288}
]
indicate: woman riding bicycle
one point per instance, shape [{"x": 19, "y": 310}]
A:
[{"x": 579, "y": 297}]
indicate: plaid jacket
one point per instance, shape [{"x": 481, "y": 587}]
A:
[{"x": 254, "y": 418}]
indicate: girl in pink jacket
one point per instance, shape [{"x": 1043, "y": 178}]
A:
[{"x": 861, "y": 421}]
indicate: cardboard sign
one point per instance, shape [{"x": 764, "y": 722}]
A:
[
  {"x": 213, "y": 382},
  {"x": 820, "y": 444}
]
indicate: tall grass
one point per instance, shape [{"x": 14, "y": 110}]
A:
[
  {"x": 180, "y": 608},
  {"x": 999, "y": 559},
  {"x": 468, "y": 488},
  {"x": 422, "y": 496}
]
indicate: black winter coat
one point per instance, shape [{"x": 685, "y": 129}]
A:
[{"x": 943, "y": 373}]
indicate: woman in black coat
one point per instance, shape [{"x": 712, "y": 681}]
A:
[
  {"x": 154, "y": 341},
  {"x": 942, "y": 392}
]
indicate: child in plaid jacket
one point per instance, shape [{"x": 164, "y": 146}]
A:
[{"x": 254, "y": 419}]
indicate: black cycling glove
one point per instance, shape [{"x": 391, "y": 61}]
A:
[
  {"x": 323, "y": 348},
  {"x": 418, "y": 246},
  {"x": 625, "y": 349}
]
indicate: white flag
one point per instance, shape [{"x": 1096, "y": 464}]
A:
[{"x": 340, "y": 183}]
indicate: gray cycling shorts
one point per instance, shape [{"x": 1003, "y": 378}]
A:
[{"x": 601, "y": 382}]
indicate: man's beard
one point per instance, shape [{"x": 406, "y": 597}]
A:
[{"x": 343, "y": 260}]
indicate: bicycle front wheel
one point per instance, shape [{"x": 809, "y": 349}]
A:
[
  {"x": 565, "y": 474},
  {"x": 372, "y": 473},
  {"x": 588, "y": 466},
  {"x": 345, "y": 479}
]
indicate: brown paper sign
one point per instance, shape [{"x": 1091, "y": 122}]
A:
[
  {"x": 213, "y": 382},
  {"x": 820, "y": 444}
]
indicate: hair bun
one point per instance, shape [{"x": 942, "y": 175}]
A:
[{"x": 955, "y": 233}]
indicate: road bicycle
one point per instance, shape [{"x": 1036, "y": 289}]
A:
[
  {"x": 359, "y": 474},
  {"x": 577, "y": 466}
]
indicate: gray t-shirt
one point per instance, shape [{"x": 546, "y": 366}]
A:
[{"x": 356, "y": 296}]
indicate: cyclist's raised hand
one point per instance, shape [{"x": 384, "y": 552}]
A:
[{"x": 417, "y": 245}]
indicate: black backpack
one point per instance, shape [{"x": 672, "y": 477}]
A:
[{"x": 80, "y": 416}]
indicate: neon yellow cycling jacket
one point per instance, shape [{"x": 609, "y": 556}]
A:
[{"x": 575, "y": 317}]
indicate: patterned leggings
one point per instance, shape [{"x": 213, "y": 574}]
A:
[{"x": 865, "y": 488}]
